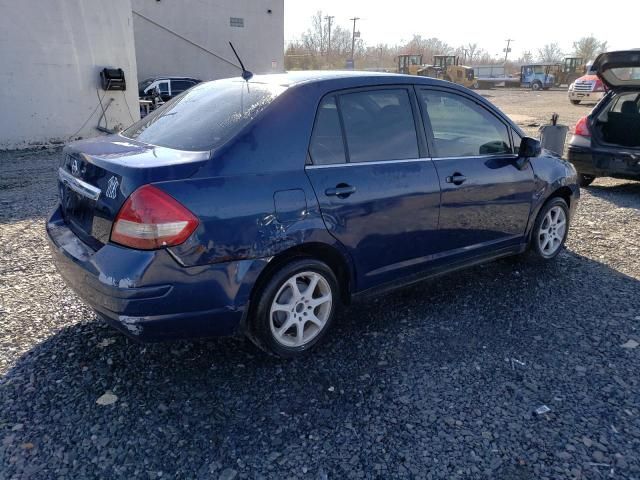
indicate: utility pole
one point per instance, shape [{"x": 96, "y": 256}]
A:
[
  {"x": 507, "y": 50},
  {"x": 353, "y": 37},
  {"x": 329, "y": 19}
]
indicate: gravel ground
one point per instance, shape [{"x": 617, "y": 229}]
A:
[{"x": 441, "y": 380}]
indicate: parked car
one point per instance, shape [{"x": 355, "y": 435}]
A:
[
  {"x": 537, "y": 77},
  {"x": 588, "y": 88},
  {"x": 167, "y": 87},
  {"x": 606, "y": 143},
  {"x": 261, "y": 206}
]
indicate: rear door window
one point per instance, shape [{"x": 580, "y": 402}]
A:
[
  {"x": 179, "y": 86},
  {"x": 379, "y": 125},
  {"x": 462, "y": 128},
  {"x": 205, "y": 116},
  {"x": 327, "y": 144}
]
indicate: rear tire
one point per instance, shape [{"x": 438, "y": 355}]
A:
[
  {"x": 585, "y": 180},
  {"x": 575, "y": 102},
  {"x": 549, "y": 230},
  {"x": 288, "y": 319}
]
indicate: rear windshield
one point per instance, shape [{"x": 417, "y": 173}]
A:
[{"x": 206, "y": 116}]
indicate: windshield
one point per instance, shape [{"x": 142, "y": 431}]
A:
[
  {"x": 144, "y": 84},
  {"x": 205, "y": 116}
]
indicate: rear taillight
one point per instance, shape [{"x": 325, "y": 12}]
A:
[
  {"x": 151, "y": 219},
  {"x": 598, "y": 86},
  {"x": 582, "y": 127}
]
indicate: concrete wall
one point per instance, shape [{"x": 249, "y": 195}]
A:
[
  {"x": 207, "y": 23},
  {"x": 51, "y": 54}
]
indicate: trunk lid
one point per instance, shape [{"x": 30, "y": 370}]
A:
[
  {"x": 619, "y": 70},
  {"x": 96, "y": 177}
]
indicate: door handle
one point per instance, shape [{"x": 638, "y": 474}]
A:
[
  {"x": 457, "y": 179},
  {"x": 342, "y": 190}
]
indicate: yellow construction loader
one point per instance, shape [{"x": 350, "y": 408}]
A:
[
  {"x": 447, "y": 67},
  {"x": 409, "y": 63}
]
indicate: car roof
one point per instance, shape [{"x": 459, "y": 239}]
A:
[
  {"x": 332, "y": 80},
  {"x": 353, "y": 77}
]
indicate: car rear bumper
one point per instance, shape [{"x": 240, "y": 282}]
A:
[
  {"x": 148, "y": 295},
  {"x": 601, "y": 165},
  {"x": 586, "y": 96}
]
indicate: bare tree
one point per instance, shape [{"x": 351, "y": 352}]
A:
[
  {"x": 589, "y": 47},
  {"x": 428, "y": 47},
  {"x": 314, "y": 38},
  {"x": 550, "y": 53},
  {"x": 472, "y": 51}
]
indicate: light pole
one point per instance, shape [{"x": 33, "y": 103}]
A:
[
  {"x": 329, "y": 19},
  {"x": 507, "y": 50},
  {"x": 353, "y": 39}
]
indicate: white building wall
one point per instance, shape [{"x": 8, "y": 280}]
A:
[
  {"x": 51, "y": 53},
  {"x": 206, "y": 23}
]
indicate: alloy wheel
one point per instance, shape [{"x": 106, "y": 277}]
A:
[
  {"x": 300, "y": 309},
  {"x": 552, "y": 231}
]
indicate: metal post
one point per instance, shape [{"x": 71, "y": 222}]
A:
[
  {"x": 329, "y": 19},
  {"x": 353, "y": 37},
  {"x": 507, "y": 50}
]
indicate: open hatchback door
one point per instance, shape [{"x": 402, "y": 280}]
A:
[{"x": 619, "y": 70}]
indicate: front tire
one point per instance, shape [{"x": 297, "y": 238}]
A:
[
  {"x": 585, "y": 180},
  {"x": 536, "y": 86},
  {"x": 575, "y": 102},
  {"x": 295, "y": 308},
  {"x": 550, "y": 230}
]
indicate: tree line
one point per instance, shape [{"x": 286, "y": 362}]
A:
[{"x": 327, "y": 45}]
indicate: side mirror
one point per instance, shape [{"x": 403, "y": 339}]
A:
[{"x": 529, "y": 148}]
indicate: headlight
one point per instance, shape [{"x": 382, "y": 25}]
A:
[{"x": 571, "y": 86}]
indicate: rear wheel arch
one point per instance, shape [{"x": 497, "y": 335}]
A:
[
  {"x": 316, "y": 250},
  {"x": 564, "y": 192}
]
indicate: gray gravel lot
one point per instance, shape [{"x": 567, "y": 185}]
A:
[{"x": 437, "y": 381}]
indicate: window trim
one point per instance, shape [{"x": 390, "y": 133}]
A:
[
  {"x": 377, "y": 162},
  {"x": 313, "y": 129},
  {"x": 429, "y": 129},
  {"x": 422, "y": 142}
]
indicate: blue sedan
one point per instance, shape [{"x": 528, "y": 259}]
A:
[{"x": 260, "y": 206}]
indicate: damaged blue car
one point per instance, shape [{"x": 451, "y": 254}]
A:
[{"x": 261, "y": 205}]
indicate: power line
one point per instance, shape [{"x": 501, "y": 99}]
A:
[{"x": 186, "y": 39}]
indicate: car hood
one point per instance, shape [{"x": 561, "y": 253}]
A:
[{"x": 619, "y": 70}]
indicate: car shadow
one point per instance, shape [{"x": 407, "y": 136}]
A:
[
  {"x": 621, "y": 194},
  {"x": 407, "y": 358}
]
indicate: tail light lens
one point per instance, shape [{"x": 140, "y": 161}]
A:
[
  {"x": 598, "y": 86},
  {"x": 151, "y": 219},
  {"x": 582, "y": 127}
]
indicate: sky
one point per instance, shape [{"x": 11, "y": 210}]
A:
[{"x": 458, "y": 22}]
